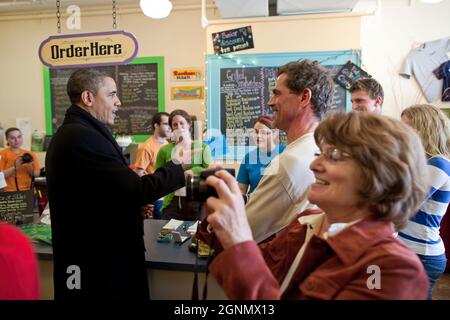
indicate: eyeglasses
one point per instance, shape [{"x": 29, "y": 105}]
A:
[{"x": 333, "y": 154}]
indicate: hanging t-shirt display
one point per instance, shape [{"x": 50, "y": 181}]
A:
[
  {"x": 422, "y": 61},
  {"x": 443, "y": 72}
]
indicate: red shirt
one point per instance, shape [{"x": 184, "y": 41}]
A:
[{"x": 19, "y": 272}]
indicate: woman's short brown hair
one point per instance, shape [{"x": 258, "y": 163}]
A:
[{"x": 391, "y": 157}]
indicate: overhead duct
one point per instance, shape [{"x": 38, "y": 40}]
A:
[
  {"x": 296, "y": 7},
  {"x": 242, "y": 9},
  {"x": 260, "y": 8}
]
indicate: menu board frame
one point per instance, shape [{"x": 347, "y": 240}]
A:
[
  {"x": 222, "y": 149},
  {"x": 158, "y": 60}
]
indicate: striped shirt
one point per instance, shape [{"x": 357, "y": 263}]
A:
[{"x": 422, "y": 232}]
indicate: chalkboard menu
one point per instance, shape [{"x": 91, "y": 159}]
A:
[
  {"x": 240, "y": 87},
  {"x": 139, "y": 87},
  {"x": 340, "y": 95},
  {"x": 16, "y": 207},
  {"x": 245, "y": 93}
]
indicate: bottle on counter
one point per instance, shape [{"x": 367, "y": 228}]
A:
[{"x": 37, "y": 141}]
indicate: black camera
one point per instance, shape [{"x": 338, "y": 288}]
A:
[
  {"x": 196, "y": 187},
  {"x": 27, "y": 158}
]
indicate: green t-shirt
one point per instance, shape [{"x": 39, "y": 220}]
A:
[{"x": 200, "y": 161}]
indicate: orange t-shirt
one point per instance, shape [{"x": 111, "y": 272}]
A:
[
  {"x": 7, "y": 159},
  {"x": 146, "y": 155}
]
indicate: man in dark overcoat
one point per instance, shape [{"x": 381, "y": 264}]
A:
[{"x": 96, "y": 199}]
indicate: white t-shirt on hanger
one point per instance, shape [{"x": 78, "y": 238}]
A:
[{"x": 422, "y": 61}]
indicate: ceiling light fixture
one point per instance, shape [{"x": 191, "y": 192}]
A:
[{"x": 156, "y": 9}]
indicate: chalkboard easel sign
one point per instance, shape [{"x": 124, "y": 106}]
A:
[
  {"x": 240, "y": 87},
  {"x": 140, "y": 86},
  {"x": 17, "y": 207}
]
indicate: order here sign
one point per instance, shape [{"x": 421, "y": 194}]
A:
[{"x": 88, "y": 49}]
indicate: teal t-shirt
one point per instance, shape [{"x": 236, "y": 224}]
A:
[
  {"x": 252, "y": 166},
  {"x": 200, "y": 161}
]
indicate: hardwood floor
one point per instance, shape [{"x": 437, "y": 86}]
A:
[{"x": 442, "y": 289}]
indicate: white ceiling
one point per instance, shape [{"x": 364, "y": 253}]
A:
[
  {"x": 227, "y": 8},
  {"x": 41, "y": 5}
]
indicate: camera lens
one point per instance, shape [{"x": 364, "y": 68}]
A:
[
  {"x": 196, "y": 187},
  {"x": 27, "y": 158}
]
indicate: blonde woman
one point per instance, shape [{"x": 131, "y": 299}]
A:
[{"x": 422, "y": 232}]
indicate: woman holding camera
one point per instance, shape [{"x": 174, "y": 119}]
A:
[
  {"x": 370, "y": 179},
  {"x": 186, "y": 151},
  {"x": 18, "y": 165}
]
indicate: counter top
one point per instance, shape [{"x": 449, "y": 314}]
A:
[
  {"x": 158, "y": 255},
  {"x": 168, "y": 255}
]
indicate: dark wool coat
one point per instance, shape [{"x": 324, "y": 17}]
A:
[{"x": 95, "y": 201}]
